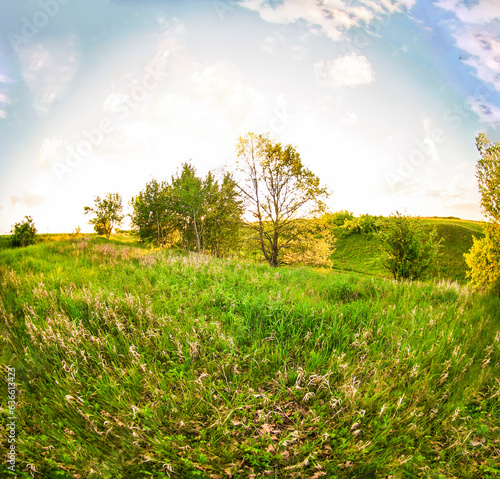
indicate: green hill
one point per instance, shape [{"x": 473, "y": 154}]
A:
[{"x": 363, "y": 254}]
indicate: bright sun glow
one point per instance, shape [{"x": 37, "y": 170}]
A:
[{"x": 383, "y": 100}]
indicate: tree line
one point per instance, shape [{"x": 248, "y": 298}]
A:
[{"x": 273, "y": 204}]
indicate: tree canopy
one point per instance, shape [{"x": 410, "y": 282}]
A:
[
  {"x": 488, "y": 177},
  {"x": 107, "y": 212},
  {"x": 411, "y": 252},
  {"x": 483, "y": 259},
  {"x": 23, "y": 233},
  {"x": 201, "y": 214},
  {"x": 152, "y": 213},
  {"x": 278, "y": 190}
]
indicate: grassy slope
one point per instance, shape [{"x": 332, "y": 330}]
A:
[
  {"x": 362, "y": 253},
  {"x": 135, "y": 363}
]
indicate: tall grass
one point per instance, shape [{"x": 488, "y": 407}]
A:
[{"x": 139, "y": 363}]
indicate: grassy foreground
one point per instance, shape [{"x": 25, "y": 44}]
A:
[{"x": 138, "y": 363}]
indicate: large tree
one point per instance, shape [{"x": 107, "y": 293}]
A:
[
  {"x": 278, "y": 190},
  {"x": 483, "y": 258},
  {"x": 107, "y": 213}
]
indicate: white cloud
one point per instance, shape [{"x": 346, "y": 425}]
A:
[
  {"x": 273, "y": 41},
  {"x": 475, "y": 29},
  {"x": 331, "y": 17},
  {"x": 481, "y": 12},
  {"x": 484, "y": 50},
  {"x": 346, "y": 70},
  {"x": 486, "y": 112},
  {"x": 428, "y": 144},
  {"x": 28, "y": 199},
  {"x": 47, "y": 69}
]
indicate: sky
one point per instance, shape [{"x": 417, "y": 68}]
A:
[{"x": 382, "y": 99}]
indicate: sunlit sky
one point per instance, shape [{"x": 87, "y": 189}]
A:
[{"x": 382, "y": 99}]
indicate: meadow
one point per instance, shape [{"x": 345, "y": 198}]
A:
[
  {"x": 362, "y": 253},
  {"x": 136, "y": 362}
]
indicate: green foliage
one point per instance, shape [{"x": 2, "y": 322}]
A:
[
  {"x": 108, "y": 213},
  {"x": 151, "y": 215},
  {"x": 411, "y": 253},
  {"x": 483, "y": 259},
  {"x": 201, "y": 214},
  {"x": 136, "y": 363},
  {"x": 278, "y": 190},
  {"x": 338, "y": 218},
  {"x": 488, "y": 177},
  {"x": 23, "y": 233},
  {"x": 311, "y": 243},
  {"x": 223, "y": 216},
  {"x": 188, "y": 194},
  {"x": 364, "y": 224}
]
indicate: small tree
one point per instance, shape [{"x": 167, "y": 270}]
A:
[
  {"x": 23, "y": 233},
  {"x": 483, "y": 258},
  {"x": 108, "y": 213},
  {"x": 411, "y": 252}
]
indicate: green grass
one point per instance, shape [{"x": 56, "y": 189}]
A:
[
  {"x": 362, "y": 253},
  {"x": 359, "y": 253},
  {"x": 140, "y": 363}
]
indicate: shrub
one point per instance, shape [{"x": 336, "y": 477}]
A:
[
  {"x": 339, "y": 218},
  {"x": 411, "y": 253},
  {"x": 483, "y": 259},
  {"x": 23, "y": 233},
  {"x": 364, "y": 224}
]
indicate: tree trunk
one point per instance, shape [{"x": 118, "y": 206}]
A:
[{"x": 196, "y": 234}]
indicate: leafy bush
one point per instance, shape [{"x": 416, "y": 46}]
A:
[
  {"x": 23, "y": 233},
  {"x": 411, "y": 252},
  {"x": 483, "y": 259},
  {"x": 364, "y": 224},
  {"x": 310, "y": 242},
  {"x": 339, "y": 218}
]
